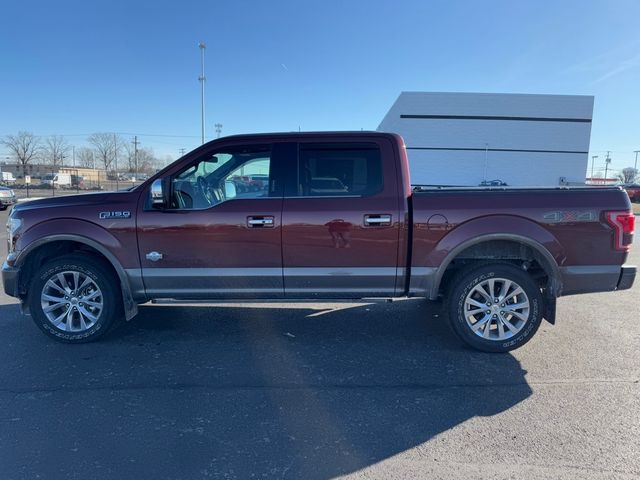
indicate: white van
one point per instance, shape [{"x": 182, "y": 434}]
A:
[
  {"x": 7, "y": 177},
  {"x": 57, "y": 180}
]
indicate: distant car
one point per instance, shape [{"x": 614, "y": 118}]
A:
[
  {"x": 633, "y": 190},
  {"x": 493, "y": 183},
  {"x": 7, "y": 198},
  {"x": 77, "y": 182},
  {"x": 258, "y": 182}
]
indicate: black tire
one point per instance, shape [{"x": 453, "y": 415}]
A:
[
  {"x": 100, "y": 274},
  {"x": 465, "y": 283}
]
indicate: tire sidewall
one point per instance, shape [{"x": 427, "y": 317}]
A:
[
  {"x": 467, "y": 282},
  {"x": 98, "y": 274}
]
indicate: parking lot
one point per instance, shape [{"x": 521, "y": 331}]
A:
[{"x": 323, "y": 390}]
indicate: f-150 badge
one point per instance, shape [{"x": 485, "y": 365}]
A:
[{"x": 114, "y": 215}]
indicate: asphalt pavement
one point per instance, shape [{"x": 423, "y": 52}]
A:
[{"x": 322, "y": 390}]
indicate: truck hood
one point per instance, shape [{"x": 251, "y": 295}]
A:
[{"x": 85, "y": 199}]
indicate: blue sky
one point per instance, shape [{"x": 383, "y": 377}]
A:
[{"x": 73, "y": 68}]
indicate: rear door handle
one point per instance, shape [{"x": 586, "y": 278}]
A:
[
  {"x": 260, "y": 221},
  {"x": 377, "y": 220}
]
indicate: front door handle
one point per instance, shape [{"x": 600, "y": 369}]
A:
[
  {"x": 260, "y": 221},
  {"x": 377, "y": 220}
]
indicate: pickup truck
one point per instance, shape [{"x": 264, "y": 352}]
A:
[{"x": 338, "y": 219}]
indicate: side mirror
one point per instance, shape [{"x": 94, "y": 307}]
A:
[
  {"x": 229, "y": 189},
  {"x": 157, "y": 194}
]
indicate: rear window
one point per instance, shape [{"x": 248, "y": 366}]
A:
[{"x": 335, "y": 170}]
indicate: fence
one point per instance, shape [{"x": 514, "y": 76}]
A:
[{"x": 64, "y": 181}]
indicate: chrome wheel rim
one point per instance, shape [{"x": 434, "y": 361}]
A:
[
  {"x": 496, "y": 309},
  {"x": 72, "y": 301}
]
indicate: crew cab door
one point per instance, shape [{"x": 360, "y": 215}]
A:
[
  {"x": 341, "y": 217},
  {"x": 219, "y": 234}
]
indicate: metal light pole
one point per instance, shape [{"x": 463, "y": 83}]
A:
[
  {"x": 486, "y": 161},
  {"x": 636, "y": 164},
  {"x": 202, "y": 79},
  {"x": 593, "y": 159}
]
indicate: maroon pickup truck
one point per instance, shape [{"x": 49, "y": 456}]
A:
[{"x": 334, "y": 216}]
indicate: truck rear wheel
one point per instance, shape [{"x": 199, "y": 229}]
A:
[
  {"x": 495, "y": 307},
  {"x": 74, "y": 299}
]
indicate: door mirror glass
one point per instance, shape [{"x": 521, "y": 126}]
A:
[
  {"x": 157, "y": 195},
  {"x": 229, "y": 189}
]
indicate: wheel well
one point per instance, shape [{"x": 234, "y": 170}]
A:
[
  {"x": 501, "y": 251},
  {"x": 42, "y": 254}
]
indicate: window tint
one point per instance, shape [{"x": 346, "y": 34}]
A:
[
  {"x": 236, "y": 173},
  {"x": 334, "y": 170}
]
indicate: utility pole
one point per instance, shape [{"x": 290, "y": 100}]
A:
[
  {"x": 607, "y": 161},
  {"x": 218, "y": 129},
  {"x": 202, "y": 79},
  {"x": 135, "y": 154},
  {"x": 115, "y": 158},
  {"x": 182, "y": 151},
  {"x": 73, "y": 155},
  {"x": 593, "y": 159},
  {"x": 636, "y": 165}
]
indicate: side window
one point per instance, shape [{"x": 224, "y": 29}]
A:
[
  {"x": 335, "y": 170},
  {"x": 219, "y": 177}
]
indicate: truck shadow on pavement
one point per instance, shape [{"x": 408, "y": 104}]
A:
[{"x": 240, "y": 391}]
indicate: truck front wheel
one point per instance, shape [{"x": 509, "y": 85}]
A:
[
  {"x": 495, "y": 308},
  {"x": 74, "y": 299}
]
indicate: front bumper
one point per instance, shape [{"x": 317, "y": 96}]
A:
[
  {"x": 10, "y": 280},
  {"x": 627, "y": 276}
]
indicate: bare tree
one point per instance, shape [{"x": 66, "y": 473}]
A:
[
  {"x": 56, "y": 149},
  {"x": 146, "y": 160},
  {"x": 106, "y": 147},
  {"x": 130, "y": 156},
  {"x": 85, "y": 157},
  {"x": 628, "y": 175},
  {"x": 25, "y": 147}
]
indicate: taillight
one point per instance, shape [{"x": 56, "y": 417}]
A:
[{"x": 623, "y": 224}]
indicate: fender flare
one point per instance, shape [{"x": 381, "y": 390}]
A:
[
  {"x": 130, "y": 306},
  {"x": 552, "y": 266}
]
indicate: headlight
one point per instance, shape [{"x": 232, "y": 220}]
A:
[{"x": 13, "y": 224}]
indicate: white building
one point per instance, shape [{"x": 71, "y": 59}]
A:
[{"x": 465, "y": 138}]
